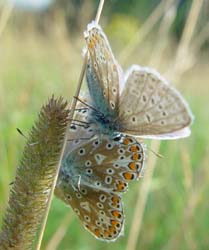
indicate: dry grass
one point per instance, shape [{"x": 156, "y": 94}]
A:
[{"x": 162, "y": 212}]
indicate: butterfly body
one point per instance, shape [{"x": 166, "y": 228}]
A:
[{"x": 105, "y": 123}]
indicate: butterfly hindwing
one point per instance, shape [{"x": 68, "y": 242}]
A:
[
  {"x": 94, "y": 175},
  {"x": 107, "y": 164},
  {"x": 100, "y": 212}
]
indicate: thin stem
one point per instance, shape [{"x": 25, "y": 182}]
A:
[
  {"x": 99, "y": 11},
  {"x": 142, "y": 200},
  {"x": 183, "y": 57},
  {"x": 145, "y": 29},
  {"x": 144, "y": 189},
  {"x": 6, "y": 13},
  {"x": 66, "y": 135},
  {"x": 60, "y": 233}
]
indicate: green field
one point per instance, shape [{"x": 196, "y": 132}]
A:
[{"x": 175, "y": 214}]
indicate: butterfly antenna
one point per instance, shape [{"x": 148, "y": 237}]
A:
[
  {"x": 81, "y": 138},
  {"x": 88, "y": 105},
  {"x": 156, "y": 154},
  {"x": 82, "y": 122}
]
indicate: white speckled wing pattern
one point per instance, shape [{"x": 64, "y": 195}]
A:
[
  {"x": 101, "y": 212},
  {"x": 80, "y": 130},
  {"x": 151, "y": 108},
  {"x": 146, "y": 106},
  {"x": 93, "y": 177},
  {"x": 103, "y": 71},
  {"x": 102, "y": 157}
]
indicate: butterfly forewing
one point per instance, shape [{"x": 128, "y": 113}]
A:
[
  {"x": 103, "y": 72},
  {"x": 149, "y": 107}
]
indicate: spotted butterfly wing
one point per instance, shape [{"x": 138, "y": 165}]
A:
[
  {"x": 150, "y": 108},
  {"x": 103, "y": 72},
  {"x": 80, "y": 130},
  {"x": 147, "y": 106},
  {"x": 93, "y": 177},
  {"x": 101, "y": 212}
]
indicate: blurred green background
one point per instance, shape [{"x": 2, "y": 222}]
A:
[{"x": 40, "y": 55}]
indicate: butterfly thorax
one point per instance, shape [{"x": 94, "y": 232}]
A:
[{"x": 106, "y": 124}]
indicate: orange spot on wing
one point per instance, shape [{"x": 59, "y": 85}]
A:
[
  {"x": 115, "y": 200},
  {"x": 116, "y": 214},
  {"x": 111, "y": 229},
  {"x": 126, "y": 141},
  {"x": 120, "y": 186},
  {"x": 128, "y": 176},
  {"x": 135, "y": 157},
  {"x": 114, "y": 222},
  {"x": 132, "y": 165},
  {"x": 106, "y": 233},
  {"x": 97, "y": 232},
  {"x": 134, "y": 148}
]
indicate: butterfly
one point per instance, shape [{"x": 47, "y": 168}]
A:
[
  {"x": 103, "y": 155},
  {"x": 94, "y": 174},
  {"x": 139, "y": 103}
]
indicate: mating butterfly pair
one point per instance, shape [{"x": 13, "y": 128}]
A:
[{"x": 103, "y": 155}]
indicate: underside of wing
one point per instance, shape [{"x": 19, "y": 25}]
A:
[
  {"x": 80, "y": 130},
  {"x": 151, "y": 108},
  {"x": 106, "y": 164},
  {"x": 100, "y": 212},
  {"x": 103, "y": 72}
]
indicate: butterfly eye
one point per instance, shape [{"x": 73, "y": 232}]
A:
[{"x": 73, "y": 127}]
